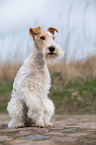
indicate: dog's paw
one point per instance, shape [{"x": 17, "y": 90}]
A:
[
  {"x": 14, "y": 124},
  {"x": 39, "y": 124},
  {"x": 49, "y": 124},
  {"x": 20, "y": 125}
]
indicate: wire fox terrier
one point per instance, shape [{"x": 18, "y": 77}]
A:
[{"x": 29, "y": 104}]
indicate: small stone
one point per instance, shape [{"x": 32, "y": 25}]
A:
[
  {"x": 36, "y": 137},
  {"x": 68, "y": 130},
  {"x": 77, "y": 134},
  {"x": 55, "y": 133}
]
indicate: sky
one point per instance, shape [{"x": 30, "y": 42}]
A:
[{"x": 74, "y": 19}]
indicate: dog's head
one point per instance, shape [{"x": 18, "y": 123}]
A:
[{"x": 44, "y": 41}]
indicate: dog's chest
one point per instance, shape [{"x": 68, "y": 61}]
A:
[{"x": 40, "y": 80}]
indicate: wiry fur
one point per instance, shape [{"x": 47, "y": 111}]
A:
[{"x": 30, "y": 103}]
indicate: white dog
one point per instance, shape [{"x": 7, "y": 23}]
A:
[{"x": 30, "y": 103}]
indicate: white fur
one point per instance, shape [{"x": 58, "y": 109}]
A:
[{"x": 30, "y": 91}]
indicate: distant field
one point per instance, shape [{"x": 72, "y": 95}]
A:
[
  {"x": 68, "y": 71},
  {"x": 73, "y": 86}
]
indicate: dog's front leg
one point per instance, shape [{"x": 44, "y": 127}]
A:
[{"x": 35, "y": 112}]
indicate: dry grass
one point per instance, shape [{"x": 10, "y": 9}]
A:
[
  {"x": 76, "y": 69},
  {"x": 8, "y": 70},
  {"x": 68, "y": 71}
]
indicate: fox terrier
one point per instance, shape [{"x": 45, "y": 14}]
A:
[{"x": 29, "y": 104}]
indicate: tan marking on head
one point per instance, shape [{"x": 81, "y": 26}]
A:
[
  {"x": 35, "y": 31},
  {"x": 40, "y": 43},
  {"x": 44, "y": 34},
  {"x": 52, "y": 30}
]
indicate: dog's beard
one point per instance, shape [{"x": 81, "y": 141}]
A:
[{"x": 53, "y": 57}]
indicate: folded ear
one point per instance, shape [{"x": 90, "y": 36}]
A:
[
  {"x": 52, "y": 30},
  {"x": 34, "y": 31}
]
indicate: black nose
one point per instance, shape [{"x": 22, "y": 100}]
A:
[{"x": 52, "y": 48}]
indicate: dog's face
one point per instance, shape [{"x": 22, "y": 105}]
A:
[{"x": 44, "y": 41}]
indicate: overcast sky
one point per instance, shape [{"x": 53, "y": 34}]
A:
[{"x": 75, "y": 20}]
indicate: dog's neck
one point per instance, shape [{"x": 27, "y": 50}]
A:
[{"x": 38, "y": 59}]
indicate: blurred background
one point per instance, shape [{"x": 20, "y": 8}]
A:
[{"x": 75, "y": 77}]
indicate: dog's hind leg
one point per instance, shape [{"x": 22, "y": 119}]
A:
[{"x": 15, "y": 109}]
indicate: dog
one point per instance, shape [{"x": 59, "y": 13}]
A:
[{"x": 29, "y": 103}]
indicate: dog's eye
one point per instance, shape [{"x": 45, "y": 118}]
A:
[{"x": 42, "y": 37}]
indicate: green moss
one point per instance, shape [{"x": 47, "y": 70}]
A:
[{"x": 5, "y": 91}]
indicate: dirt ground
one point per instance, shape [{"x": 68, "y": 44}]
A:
[{"x": 67, "y": 130}]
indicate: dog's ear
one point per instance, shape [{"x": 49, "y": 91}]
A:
[
  {"x": 34, "y": 31},
  {"x": 52, "y": 30}
]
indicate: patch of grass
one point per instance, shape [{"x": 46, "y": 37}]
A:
[
  {"x": 5, "y": 91},
  {"x": 77, "y": 96}
]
